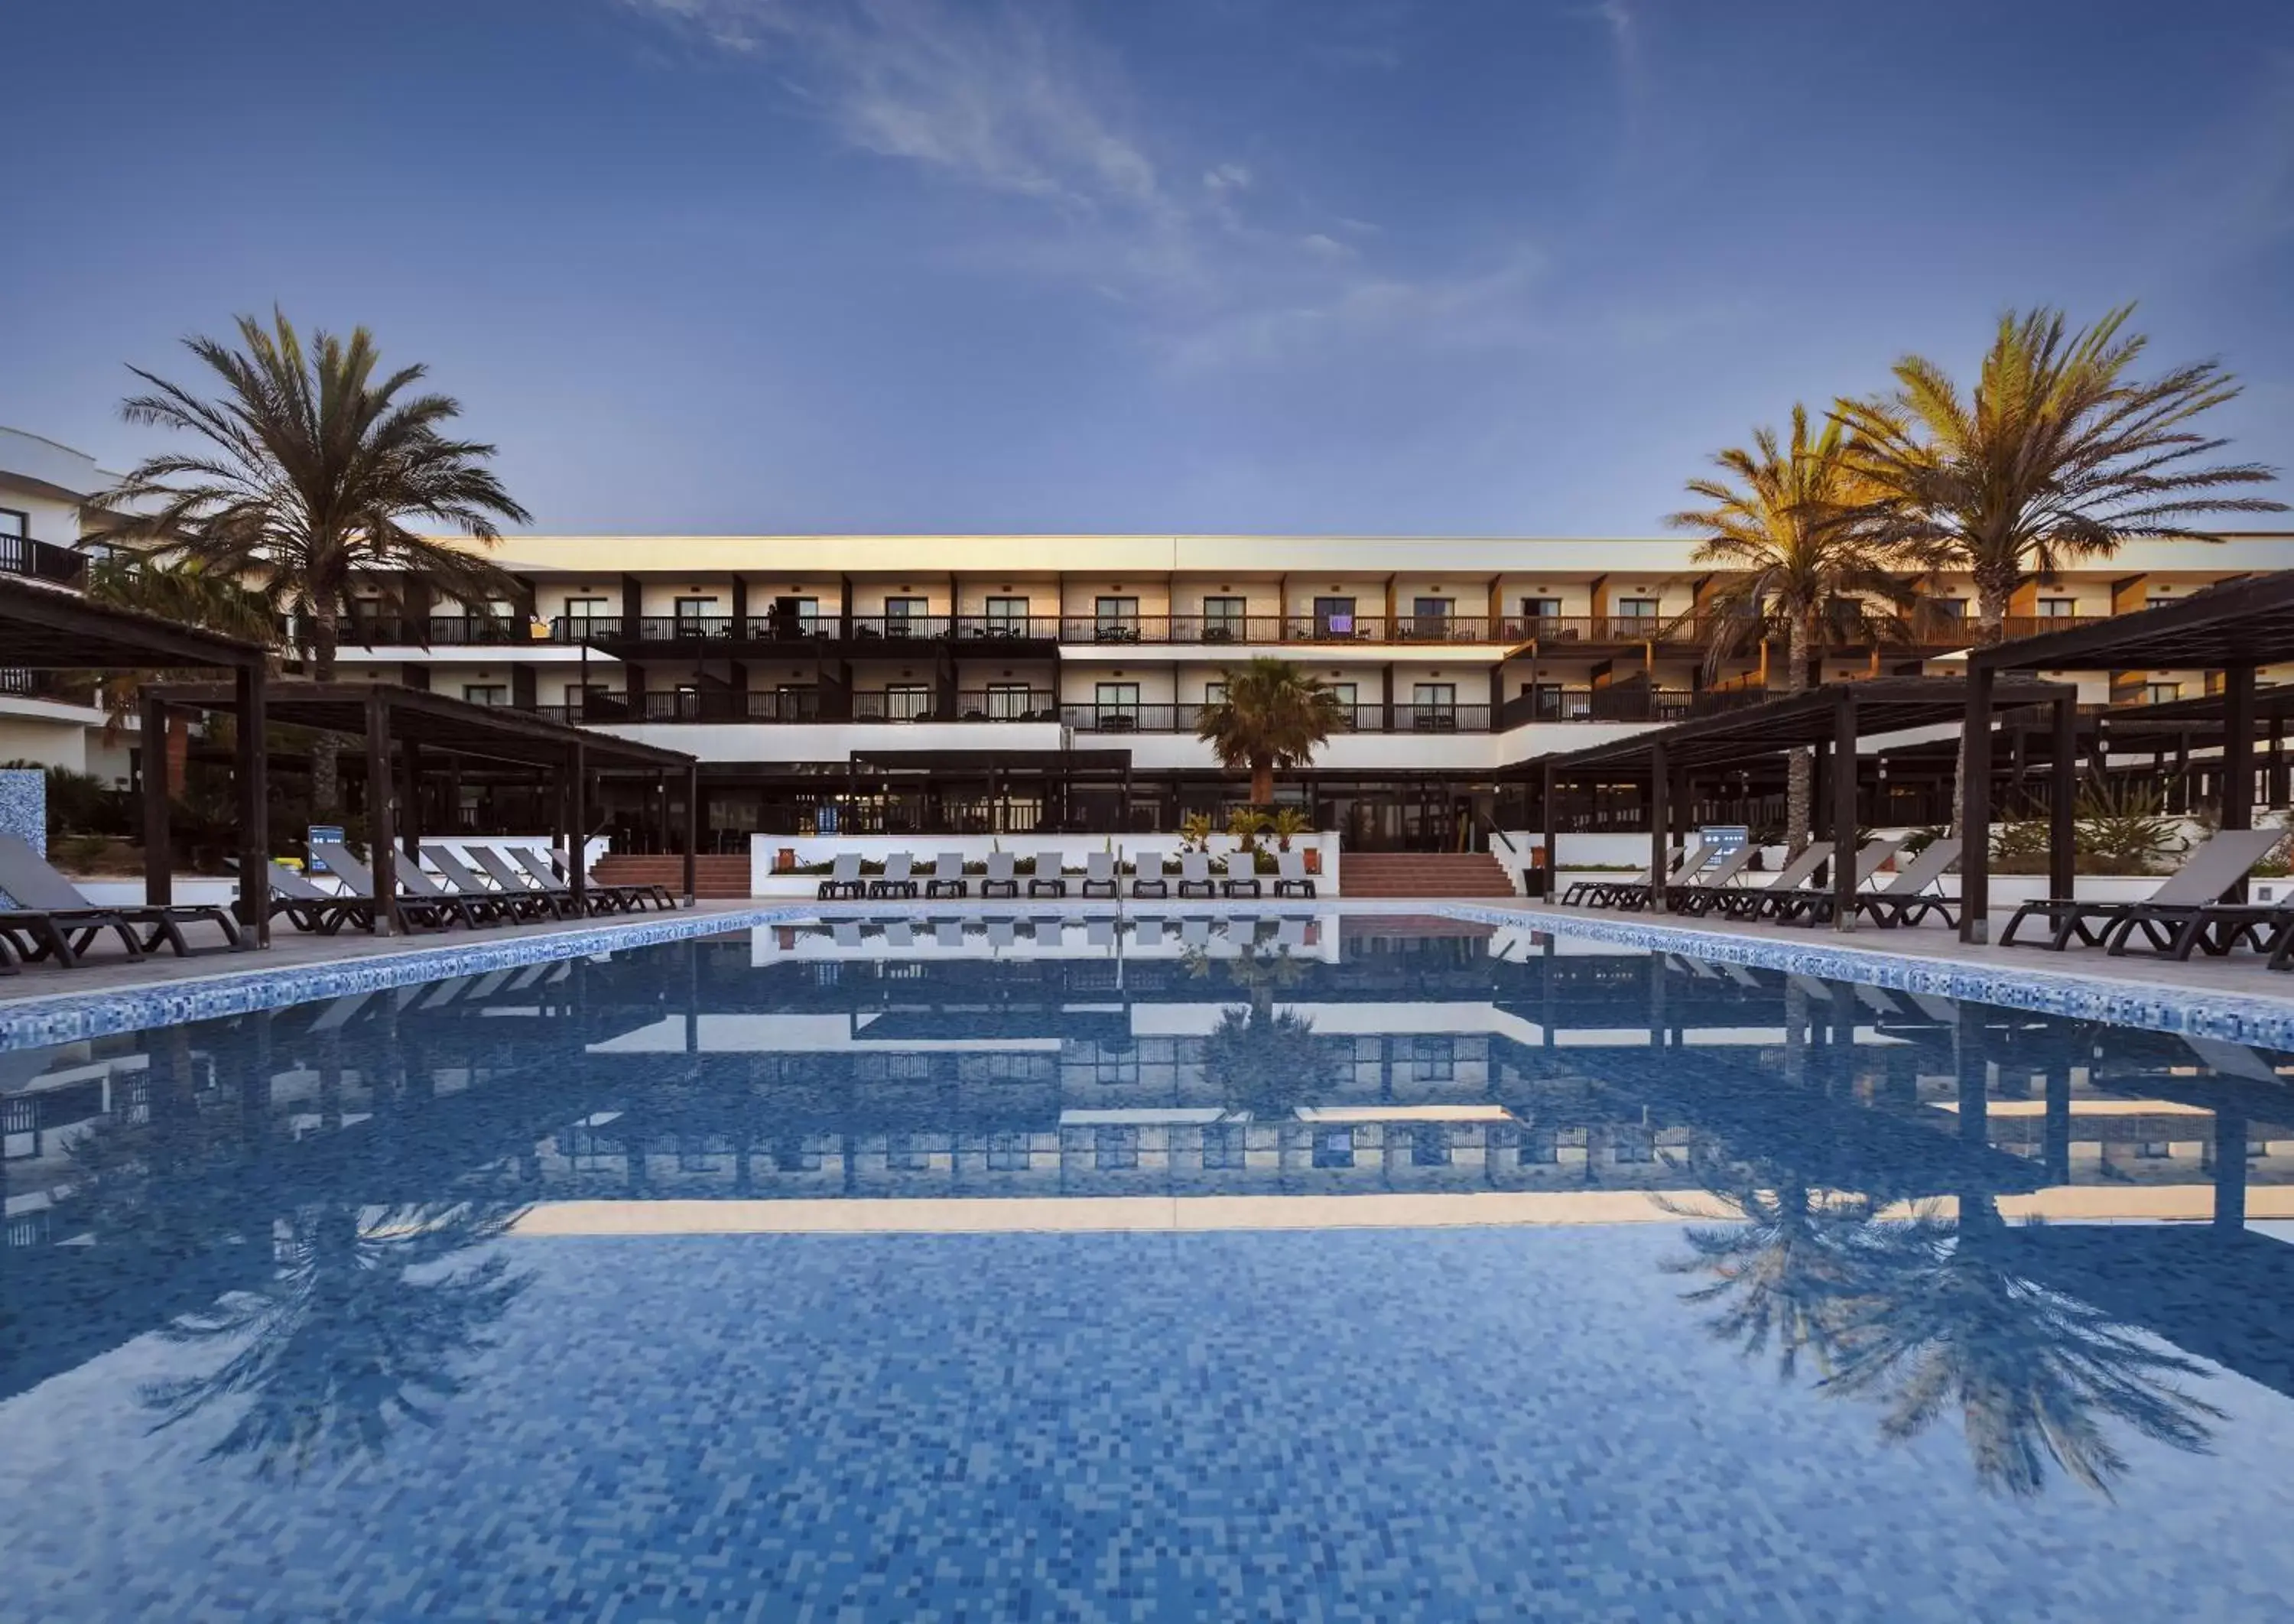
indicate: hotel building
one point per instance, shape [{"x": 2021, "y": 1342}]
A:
[{"x": 883, "y": 683}]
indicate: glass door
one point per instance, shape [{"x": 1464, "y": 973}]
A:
[
  {"x": 1116, "y": 620},
  {"x": 1334, "y": 617}
]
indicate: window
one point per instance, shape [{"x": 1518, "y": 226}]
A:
[
  {"x": 1117, "y": 1146},
  {"x": 1431, "y": 1059},
  {"x": 586, "y": 609},
  {"x": 2153, "y": 1150},
  {"x": 1009, "y": 1153},
  {"x": 692, "y": 613},
  {"x": 2058, "y": 608},
  {"x": 14, "y": 525},
  {"x": 1540, "y": 608},
  {"x": 1540, "y": 1148},
  {"x": 1334, "y": 1148},
  {"x": 1008, "y": 617},
  {"x": 1632, "y": 1145},
  {"x": 796, "y": 1156},
  {"x": 2162, "y": 692},
  {"x": 1434, "y": 706},
  {"x": 905, "y": 701},
  {"x": 1429, "y": 617},
  {"x": 907, "y": 1153},
  {"x": 1006, "y": 700},
  {"x": 1116, "y": 620},
  {"x": 1547, "y": 699},
  {"x": 1214, "y": 693},
  {"x": 1637, "y": 608},
  {"x": 1953, "y": 609},
  {"x": 485, "y": 693},
  {"x": 1344, "y": 692},
  {"x": 1222, "y": 620},
  {"x": 1222, "y": 1147},
  {"x": 1429, "y": 1145},
  {"x": 2159, "y": 598},
  {"x": 1117, "y": 702},
  {"x": 899, "y": 610},
  {"x": 1334, "y": 617}
]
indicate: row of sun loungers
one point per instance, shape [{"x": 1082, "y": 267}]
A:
[
  {"x": 47, "y": 917},
  {"x": 2189, "y": 912},
  {"x": 482, "y": 885},
  {"x": 1102, "y": 877}
]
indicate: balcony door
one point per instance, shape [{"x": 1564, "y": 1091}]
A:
[
  {"x": 1116, "y": 620},
  {"x": 1334, "y": 617},
  {"x": 904, "y": 617},
  {"x": 1434, "y": 707},
  {"x": 1430, "y": 618},
  {"x": 905, "y": 701},
  {"x": 694, "y": 614},
  {"x": 1008, "y": 617},
  {"x": 1117, "y": 705},
  {"x": 1009, "y": 700},
  {"x": 1222, "y": 620}
]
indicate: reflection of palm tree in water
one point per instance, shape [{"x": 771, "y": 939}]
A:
[
  {"x": 1942, "y": 1320},
  {"x": 1924, "y": 1315},
  {"x": 361, "y": 1329},
  {"x": 1265, "y": 1063},
  {"x": 1783, "y": 1276}
]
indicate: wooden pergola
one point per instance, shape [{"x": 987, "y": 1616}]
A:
[
  {"x": 2232, "y": 629},
  {"x": 48, "y": 629},
  {"x": 1829, "y": 720},
  {"x": 401, "y": 728}
]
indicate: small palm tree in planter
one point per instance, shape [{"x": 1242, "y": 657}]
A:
[{"x": 1275, "y": 716}]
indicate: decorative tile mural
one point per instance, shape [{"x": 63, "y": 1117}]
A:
[{"x": 24, "y": 805}]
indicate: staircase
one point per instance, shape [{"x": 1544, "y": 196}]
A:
[
  {"x": 718, "y": 878},
  {"x": 1424, "y": 874}
]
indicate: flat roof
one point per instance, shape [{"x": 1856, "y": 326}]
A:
[
  {"x": 55, "y": 630},
  {"x": 2247, "y": 621},
  {"x": 1883, "y": 705},
  {"x": 432, "y": 721}
]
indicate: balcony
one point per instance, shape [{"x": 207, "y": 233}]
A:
[
  {"x": 1321, "y": 629},
  {"x": 55, "y": 687},
  {"x": 436, "y": 630},
  {"x": 1356, "y": 718},
  {"x": 62, "y": 566},
  {"x": 1624, "y": 703},
  {"x": 804, "y": 705}
]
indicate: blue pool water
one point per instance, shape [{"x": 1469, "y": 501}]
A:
[{"x": 1334, "y": 1268}]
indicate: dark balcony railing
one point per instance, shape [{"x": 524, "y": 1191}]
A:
[
  {"x": 61, "y": 688},
  {"x": 1104, "y": 629},
  {"x": 1625, "y": 703},
  {"x": 1403, "y": 717},
  {"x": 426, "y": 631},
  {"x": 43, "y": 561}
]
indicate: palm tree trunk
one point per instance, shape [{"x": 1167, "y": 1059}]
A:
[
  {"x": 1799, "y": 766},
  {"x": 326, "y": 775},
  {"x": 1261, "y": 782}
]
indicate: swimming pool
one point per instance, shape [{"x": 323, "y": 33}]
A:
[{"x": 1319, "y": 1265}]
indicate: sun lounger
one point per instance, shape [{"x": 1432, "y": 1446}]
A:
[
  {"x": 1147, "y": 875},
  {"x": 843, "y": 879},
  {"x": 899, "y": 933},
  {"x": 1100, "y": 932},
  {"x": 602, "y": 898},
  {"x": 40, "y": 893},
  {"x": 1636, "y": 899},
  {"x": 1240, "y": 871},
  {"x": 1905, "y": 899},
  {"x": 1602, "y": 893},
  {"x": 947, "y": 877},
  {"x": 2173, "y": 917},
  {"x": 1099, "y": 874},
  {"x": 514, "y": 879},
  {"x": 483, "y": 908},
  {"x": 1195, "y": 874},
  {"x": 845, "y": 933},
  {"x": 1046, "y": 880},
  {"x": 1146, "y": 933},
  {"x": 1003, "y": 932},
  {"x": 1003, "y": 875},
  {"x": 1757, "y": 901},
  {"x": 410, "y": 908},
  {"x": 517, "y": 905},
  {"x": 1195, "y": 932},
  {"x": 1812, "y": 903},
  {"x": 1699, "y": 897},
  {"x": 948, "y": 933},
  {"x": 307, "y": 907},
  {"x": 1291, "y": 876},
  {"x": 896, "y": 880}
]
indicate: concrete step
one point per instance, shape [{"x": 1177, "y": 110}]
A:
[
  {"x": 714, "y": 876},
  {"x": 1425, "y": 874}
]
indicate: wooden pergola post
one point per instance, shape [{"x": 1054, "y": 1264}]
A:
[
  {"x": 409, "y": 820},
  {"x": 692, "y": 826},
  {"x": 1975, "y": 816},
  {"x": 381, "y": 832},
  {"x": 1552, "y": 843},
  {"x": 2238, "y": 759},
  {"x": 577, "y": 838},
  {"x": 159, "y": 863},
  {"x": 1843, "y": 808},
  {"x": 251, "y": 770},
  {"x": 1660, "y": 825},
  {"x": 2062, "y": 828}
]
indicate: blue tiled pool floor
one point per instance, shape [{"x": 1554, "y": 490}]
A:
[
  {"x": 790, "y": 1273},
  {"x": 1348, "y": 1425}
]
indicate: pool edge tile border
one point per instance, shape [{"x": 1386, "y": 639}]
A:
[
  {"x": 2260, "y": 1018},
  {"x": 71, "y": 1016}
]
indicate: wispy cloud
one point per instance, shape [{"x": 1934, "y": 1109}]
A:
[{"x": 1218, "y": 266}]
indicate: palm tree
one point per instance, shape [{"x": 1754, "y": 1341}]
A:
[
  {"x": 311, "y": 466},
  {"x": 1804, "y": 563},
  {"x": 2058, "y": 456},
  {"x": 1275, "y": 715}
]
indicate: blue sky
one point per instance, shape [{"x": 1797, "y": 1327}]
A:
[{"x": 1470, "y": 266}]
